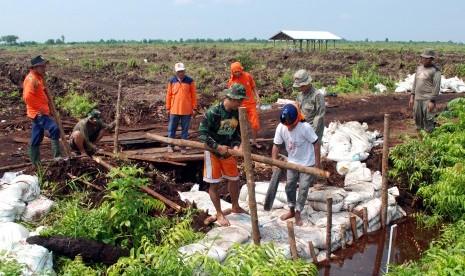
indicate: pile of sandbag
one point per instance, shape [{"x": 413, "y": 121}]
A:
[{"x": 447, "y": 85}]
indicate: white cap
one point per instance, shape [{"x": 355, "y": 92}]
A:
[{"x": 179, "y": 67}]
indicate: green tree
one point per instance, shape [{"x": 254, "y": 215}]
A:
[{"x": 9, "y": 39}]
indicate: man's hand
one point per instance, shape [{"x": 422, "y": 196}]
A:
[
  {"x": 430, "y": 106},
  {"x": 412, "y": 100},
  {"x": 194, "y": 113},
  {"x": 223, "y": 150},
  {"x": 167, "y": 112}
]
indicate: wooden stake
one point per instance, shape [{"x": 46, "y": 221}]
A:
[
  {"x": 353, "y": 224},
  {"x": 258, "y": 158},
  {"x": 144, "y": 189},
  {"x": 312, "y": 252},
  {"x": 245, "y": 144},
  {"x": 212, "y": 218},
  {"x": 384, "y": 167},
  {"x": 329, "y": 222},
  {"x": 118, "y": 110},
  {"x": 343, "y": 236},
  {"x": 85, "y": 182},
  {"x": 365, "y": 220},
  {"x": 292, "y": 244},
  {"x": 55, "y": 113}
]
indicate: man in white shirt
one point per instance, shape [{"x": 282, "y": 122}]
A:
[{"x": 301, "y": 145}]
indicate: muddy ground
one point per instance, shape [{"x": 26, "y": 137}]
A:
[{"x": 144, "y": 92}]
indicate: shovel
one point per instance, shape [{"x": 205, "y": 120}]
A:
[{"x": 272, "y": 188}]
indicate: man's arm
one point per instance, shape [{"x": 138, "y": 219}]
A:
[
  {"x": 169, "y": 96},
  {"x": 194, "y": 99},
  {"x": 319, "y": 120},
  {"x": 317, "y": 150}
]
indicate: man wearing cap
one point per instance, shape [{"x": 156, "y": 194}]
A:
[
  {"x": 425, "y": 91},
  {"x": 35, "y": 97},
  {"x": 181, "y": 103},
  {"x": 300, "y": 141},
  {"x": 87, "y": 132},
  {"x": 311, "y": 102},
  {"x": 220, "y": 130},
  {"x": 238, "y": 75}
]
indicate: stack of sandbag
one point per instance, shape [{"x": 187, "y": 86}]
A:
[
  {"x": 317, "y": 198},
  {"x": 202, "y": 200},
  {"x": 447, "y": 85},
  {"x": 261, "y": 188}
]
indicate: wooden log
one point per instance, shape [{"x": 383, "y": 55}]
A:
[
  {"x": 384, "y": 168},
  {"x": 365, "y": 221},
  {"x": 343, "y": 236},
  {"x": 148, "y": 159},
  {"x": 329, "y": 223},
  {"x": 118, "y": 110},
  {"x": 258, "y": 158},
  {"x": 312, "y": 252},
  {"x": 292, "y": 244},
  {"x": 212, "y": 218},
  {"x": 145, "y": 189},
  {"x": 353, "y": 225},
  {"x": 84, "y": 182},
  {"x": 249, "y": 174},
  {"x": 55, "y": 113}
]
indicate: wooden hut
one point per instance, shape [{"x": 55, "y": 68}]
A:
[{"x": 311, "y": 37}]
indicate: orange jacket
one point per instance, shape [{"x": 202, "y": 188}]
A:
[
  {"x": 34, "y": 95},
  {"x": 247, "y": 81},
  {"x": 181, "y": 98}
]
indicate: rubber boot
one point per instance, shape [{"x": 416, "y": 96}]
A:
[
  {"x": 56, "y": 150},
  {"x": 34, "y": 154}
]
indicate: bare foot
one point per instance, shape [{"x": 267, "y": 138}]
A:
[
  {"x": 222, "y": 220},
  {"x": 238, "y": 210},
  {"x": 298, "y": 219},
  {"x": 287, "y": 215}
]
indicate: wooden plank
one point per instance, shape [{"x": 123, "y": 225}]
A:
[{"x": 141, "y": 158}]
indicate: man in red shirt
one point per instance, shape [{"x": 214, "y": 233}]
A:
[{"x": 35, "y": 97}]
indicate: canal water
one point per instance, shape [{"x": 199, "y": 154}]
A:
[{"x": 368, "y": 255}]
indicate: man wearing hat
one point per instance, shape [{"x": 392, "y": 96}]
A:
[
  {"x": 220, "y": 130},
  {"x": 35, "y": 97},
  {"x": 181, "y": 103},
  {"x": 300, "y": 141},
  {"x": 87, "y": 132},
  {"x": 425, "y": 91}
]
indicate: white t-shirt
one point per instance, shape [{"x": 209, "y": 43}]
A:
[{"x": 298, "y": 142}]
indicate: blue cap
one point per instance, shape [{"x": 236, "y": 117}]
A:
[{"x": 288, "y": 114}]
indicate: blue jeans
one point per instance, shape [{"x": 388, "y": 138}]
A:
[
  {"x": 174, "y": 122},
  {"x": 39, "y": 125}
]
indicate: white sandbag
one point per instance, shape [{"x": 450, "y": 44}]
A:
[
  {"x": 322, "y": 206},
  {"x": 394, "y": 191},
  {"x": 320, "y": 195},
  {"x": 373, "y": 208},
  {"x": 37, "y": 209},
  {"x": 37, "y": 258},
  {"x": 10, "y": 233},
  {"x": 30, "y": 186},
  {"x": 239, "y": 219},
  {"x": 312, "y": 233},
  {"x": 202, "y": 201},
  {"x": 11, "y": 193},
  {"x": 302, "y": 249},
  {"x": 338, "y": 219},
  {"x": 213, "y": 252},
  {"x": 8, "y": 176},
  {"x": 226, "y": 237},
  {"x": 359, "y": 193},
  {"x": 344, "y": 167},
  {"x": 11, "y": 210},
  {"x": 377, "y": 180},
  {"x": 359, "y": 176}
]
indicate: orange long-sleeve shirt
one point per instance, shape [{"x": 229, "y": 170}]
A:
[
  {"x": 34, "y": 95},
  {"x": 181, "y": 97},
  {"x": 247, "y": 81}
]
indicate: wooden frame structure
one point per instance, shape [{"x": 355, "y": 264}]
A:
[{"x": 311, "y": 37}]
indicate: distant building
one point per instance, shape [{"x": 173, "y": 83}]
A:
[{"x": 313, "y": 37}]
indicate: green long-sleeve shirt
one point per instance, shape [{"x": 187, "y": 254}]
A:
[
  {"x": 427, "y": 83},
  {"x": 312, "y": 104}
]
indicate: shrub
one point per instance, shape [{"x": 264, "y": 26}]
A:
[{"x": 76, "y": 105}]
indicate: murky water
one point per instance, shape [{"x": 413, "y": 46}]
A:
[{"x": 368, "y": 256}]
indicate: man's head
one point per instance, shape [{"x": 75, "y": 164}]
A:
[
  {"x": 38, "y": 65},
  {"x": 288, "y": 114},
  {"x": 302, "y": 80},
  {"x": 427, "y": 57},
  {"x": 236, "y": 94},
  {"x": 180, "y": 70},
  {"x": 236, "y": 69},
  {"x": 95, "y": 116}
]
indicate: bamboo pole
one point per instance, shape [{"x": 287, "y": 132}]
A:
[
  {"x": 258, "y": 158},
  {"x": 118, "y": 110},
  {"x": 329, "y": 222},
  {"x": 312, "y": 252},
  {"x": 353, "y": 224},
  {"x": 213, "y": 218},
  {"x": 385, "y": 160},
  {"x": 84, "y": 182},
  {"x": 365, "y": 220},
  {"x": 249, "y": 174},
  {"x": 292, "y": 244},
  {"x": 343, "y": 236},
  {"x": 55, "y": 113},
  {"x": 144, "y": 189}
]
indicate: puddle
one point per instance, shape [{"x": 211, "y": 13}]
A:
[{"x": 368, "y": 256}]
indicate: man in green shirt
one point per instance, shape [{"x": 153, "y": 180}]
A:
[
  {"x": 220, "y": 130},
  {"x": 425, "y": 90},
  {"x": 88, "y": 132}
]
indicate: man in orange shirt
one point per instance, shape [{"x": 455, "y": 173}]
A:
[
  {"x": 238, "y": 75},
  {"x": 181, "y": 103},
  {"x": 35, "y": 97}
]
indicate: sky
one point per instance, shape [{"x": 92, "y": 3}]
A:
[{"x": 92, "y": 20}]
